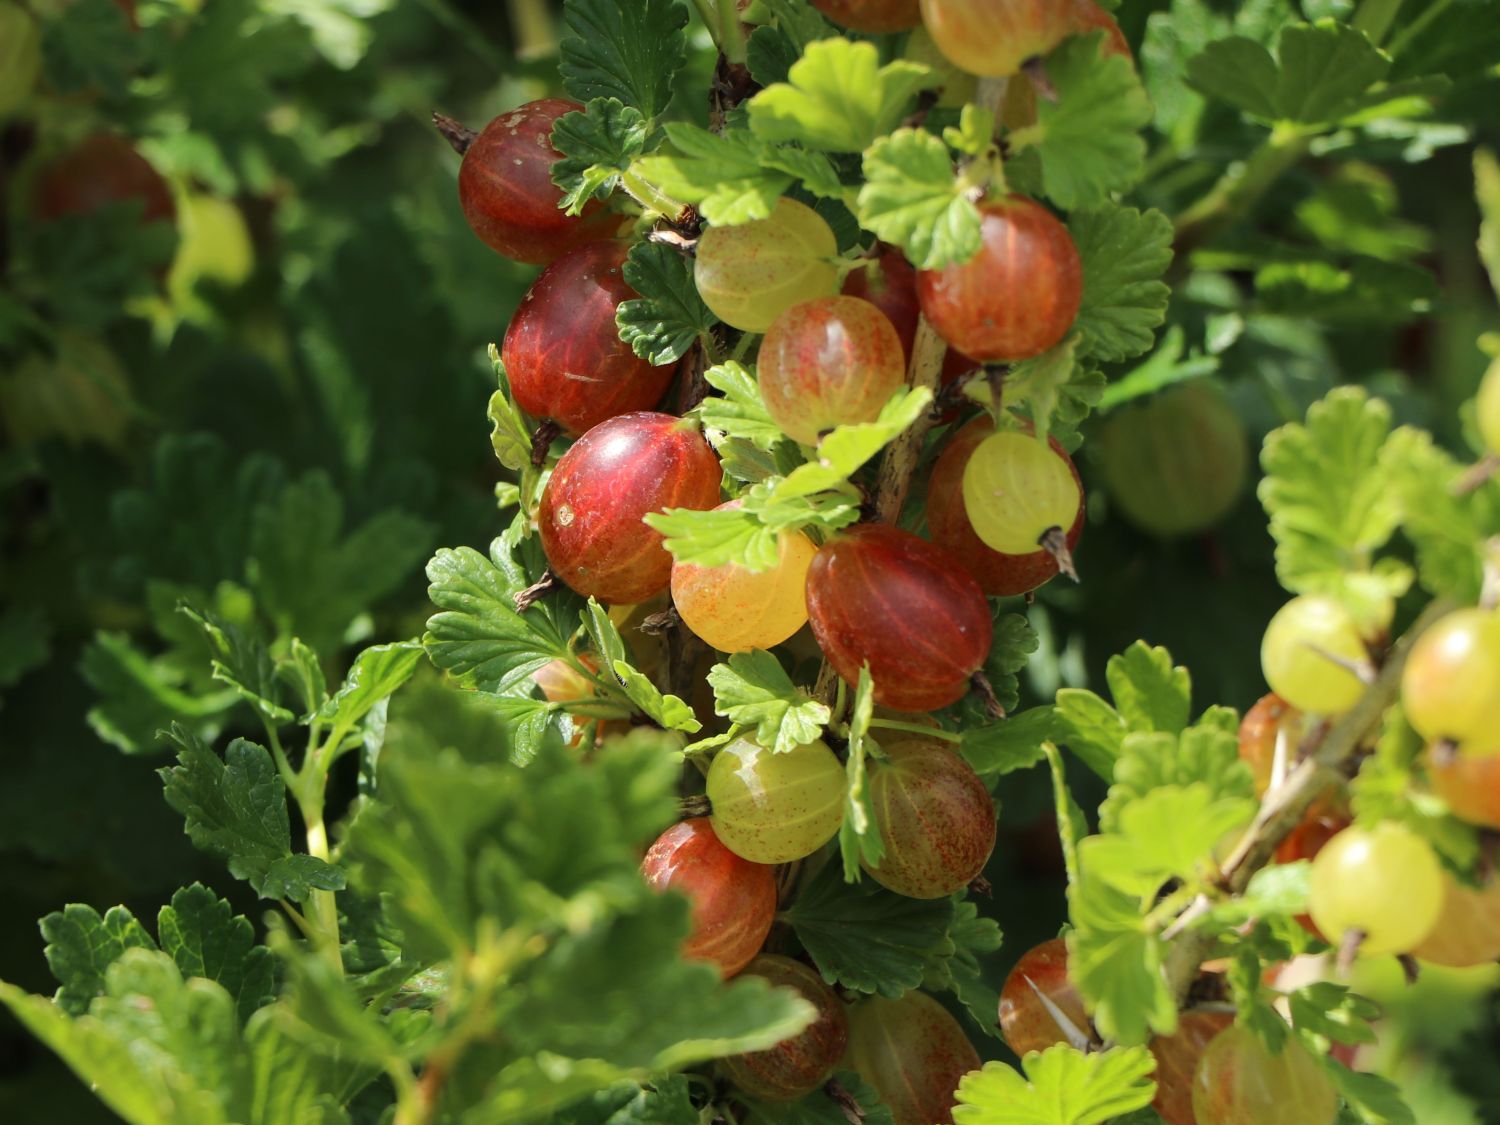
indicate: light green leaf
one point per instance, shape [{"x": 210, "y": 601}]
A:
[
  {"x": 1124, "y": 252},
  {"x": 375, "y": 675},
  {"x": 1116, "y": 964},
  {"x": 1013, "y": 743},
  {"x": 1446, "y": 528},
  {"x": 859, "y": 839},
  {"x": 753, "y": 689},
  {"x": 738, "y": 411},
  {"x": 1062, "y": 1086},
  {"x": 1170, "y": 833},
  {"x": 837, "y": 97},
  {"x": 597, "y": 146},
  {"x": 1089, "y": 137},
  {"x": 1150, "y": 692},
  {"x": 722, "y": 173},
  {"x": 912, "y": 200},
  {"x": 1037, "y": 383},
  {"x": 669, "y": 316},
  {"x": 666, "y": 710},
  {"x": 1092, "y": 729}
]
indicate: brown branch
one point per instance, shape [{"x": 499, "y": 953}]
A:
[
  {"x": 1285, "y": 806},
  {"x": 901, "y": 457}
]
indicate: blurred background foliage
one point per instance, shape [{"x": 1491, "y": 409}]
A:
[{"x": 275, "y": 407}]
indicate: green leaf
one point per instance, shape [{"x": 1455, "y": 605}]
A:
[
  {"x": 1036, "y": 384},
  {"x": 1278, "y": 889},
  {"x": 1013, "y": 743},
  {"x": 1317, "y": 78},
  {"x": 597, "y": 146},
  {"x": 206, "y": 939},
  {"x": 724, "y": 174},
  {"x": 244, "y": 663},
  {"x": 664, "y": 1101},
  {"x": 1169, "y": 833},
  {"x": 837, "y": 97},
  {"x": 864, "y": 937},
  {"x": 1149, "y": 691},
  {"x": 738, "y": 411},
  {"x": 310, "y": 577},
  {"x": 859, "y": 838},
  {"x": 753, "y": 689},
  {"x": 774, "y": 47},
  {"x": 911, "y": 199},
  {"x": 1116, "y": 964},
  {"x": 1205, "y": 754},
  {"x": 1373, "y": 1098},
  {"x": 669, "y": 316},
  {"x": 1446, "y": 528},
  {"x": 1171, "y": 363},
  {"x": 1014, "y": 641},
  {"x": 962, "y": 973},
  {"x": 95, "y": 47},
  {"x": 718, "y": 537},
  {"x": 236, "y": 808},
  {"x": 1062, "y": 1086},
  {"x": 1328, "y": 492},
  {"x": 844, "y": 451},
  {"x": 25, "y": 642},
  {"x": 1089, "y": 136},
  {"x": 376, "y": 674},
  {"x": 625, "y": 49},
  {"x": 1092, "y": 729},
  {"x": 81, "y": 946},
  {"x": 1363, "y": 291},
  {"x": 666, "y": 710},
  {"x": 1330, "y": 1011},
  {"x": 139, "y": 697},
  {"x": 1124, "y": 252},
  {"x": 821, "y": 1108},
  {"x": 1487, "y": 192},
  {"x": 477, "y": 635}
]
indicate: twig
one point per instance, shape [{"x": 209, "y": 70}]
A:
[
  {"x": 900, "y": 461},
  {"x": 1285, "y": 806},
  {"x": 455, "y": 132}
]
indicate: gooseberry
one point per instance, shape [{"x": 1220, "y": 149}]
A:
[
  {"x": 1306, "y": 655},
  {"x": 750, "y": 274},
  {"x": 1384, "y": 882},
  {"x": 993, "y": 38},
  {"x": 1020, "y": 495},
  {"x": 914, "y": 1054},
  {"x": 799, "y": 1065},
  {"x": 1040, "y": 979},
  {"x": 100, "y": 170},
  {"x": 1450, "y": 688},
  {"x": 774, "y": 808}
]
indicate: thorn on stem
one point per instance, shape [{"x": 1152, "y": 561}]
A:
[
  {"x": 1444, "y": 752},
  {"x": 1055, "y": 542},
  {"x": 458, "y": 135},
  {"x": 1035, "y": 70},
  {"x": 981, "y": 684},
  {"x": 697, "y": 805},
  {"x": 1476, "y": 476},
  {"x": 536, "y": 591},
  {"x": 1409, "y": 967},
  {"x": 853, "y": 1112},
  {"x": 541, "y": 441}
]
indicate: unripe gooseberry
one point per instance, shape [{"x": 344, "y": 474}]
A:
[
  {"x": 993, "y": 38},
  {"x": 1307, "y": 653},
  {"x": 914, "y": 1054},
  {"x": 749, "y": 274},
  {"x": 1240, "y": 1082},
  {"x": 735, "y": 609},
  {"x": 1384, "y": 882},
  {"x": 774, "y": 808},
  {"x": 935, "y": 817},
  {"x": 1175, "y": 463},
  {"x": 1450, "y": 687},
  {"x": 1467, "y": 932},
  {"x": 1019, "y": 495},
  {"x": 799, "y": 1065}
]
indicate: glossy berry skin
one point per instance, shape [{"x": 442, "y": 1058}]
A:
[
  {"x": 505, "y": 188},
  {"x": 1328, "y": 817},
  {"x": 100, "y": 170},
  {"x": 1177, "y": 1058},
  {"x": 1018, "y": 296},
  {"x": 998, "y": 574},
  {"x": 1470, "y": 785},
  {"x": 1271, "y": 720},
  {"x": 1024, "y": 1020},
  {"x": 879, "y": 595},
  {"x": 993, "y": 38},
  {"x": 891, "y": 286},
  {"x": 831, "y": 361},
  {"x": 774, "y": 808},
  {"x": 935, "y": 817},
  {"x": 733, "y": 609},
  {"x": 563, "y": 354},
  {"x": 1450, "y": 687},
  {"x": 1295, "y": 651},
  {"x": 1016, "y": 491},
  {"x": 733, "y": 900},
  {"x": 914, "y": 1054},
  {"x": 876, "y": 17},
  {"x": 1487, "y": 408},
  {"x": 1240, "y": 1082},
  {"x": 592, "y": 510},
  {"x": 1384, "y": 881},
  {"x": 797, "y": 1066},
  {"x": 1176, "y": 463},
  {"x": 1467, "y": 932},
  {"x": 750, "y": 274}
]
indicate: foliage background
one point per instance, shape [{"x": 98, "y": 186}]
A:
[{"x": 355, "y": 351}]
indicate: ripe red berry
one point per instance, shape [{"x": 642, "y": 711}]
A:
[
  {"x": 733, "y": 900},
  {"x": 799, "y": 1065},
  {"x": 934, "y": 816},
  {"x": 1470, "y": 785},
  {"x": 891, "y": 286},
  {"x": 506, "y": 190},
  {"x": 1271, "y": 723},
  {"x": 1018, "y": 296},
  {"x": 880, "y": 595},
  {"x": 914, "y": 1054},
  {"x": 592, "y": 510},
  {"x": 100, "y": 170},
  {"x": 563, "y": 354},
  {"x": 1177, "y": 1059},
  {"x": 1027, "y": 1023},
  {"x": 874, "y": 16},
  {"x": 998, "y": 574}
]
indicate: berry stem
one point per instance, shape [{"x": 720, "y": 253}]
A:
[{"x": 1285, "y": 806}]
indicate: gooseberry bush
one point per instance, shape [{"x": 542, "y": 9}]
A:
[{"x": 679, "y": 809}]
